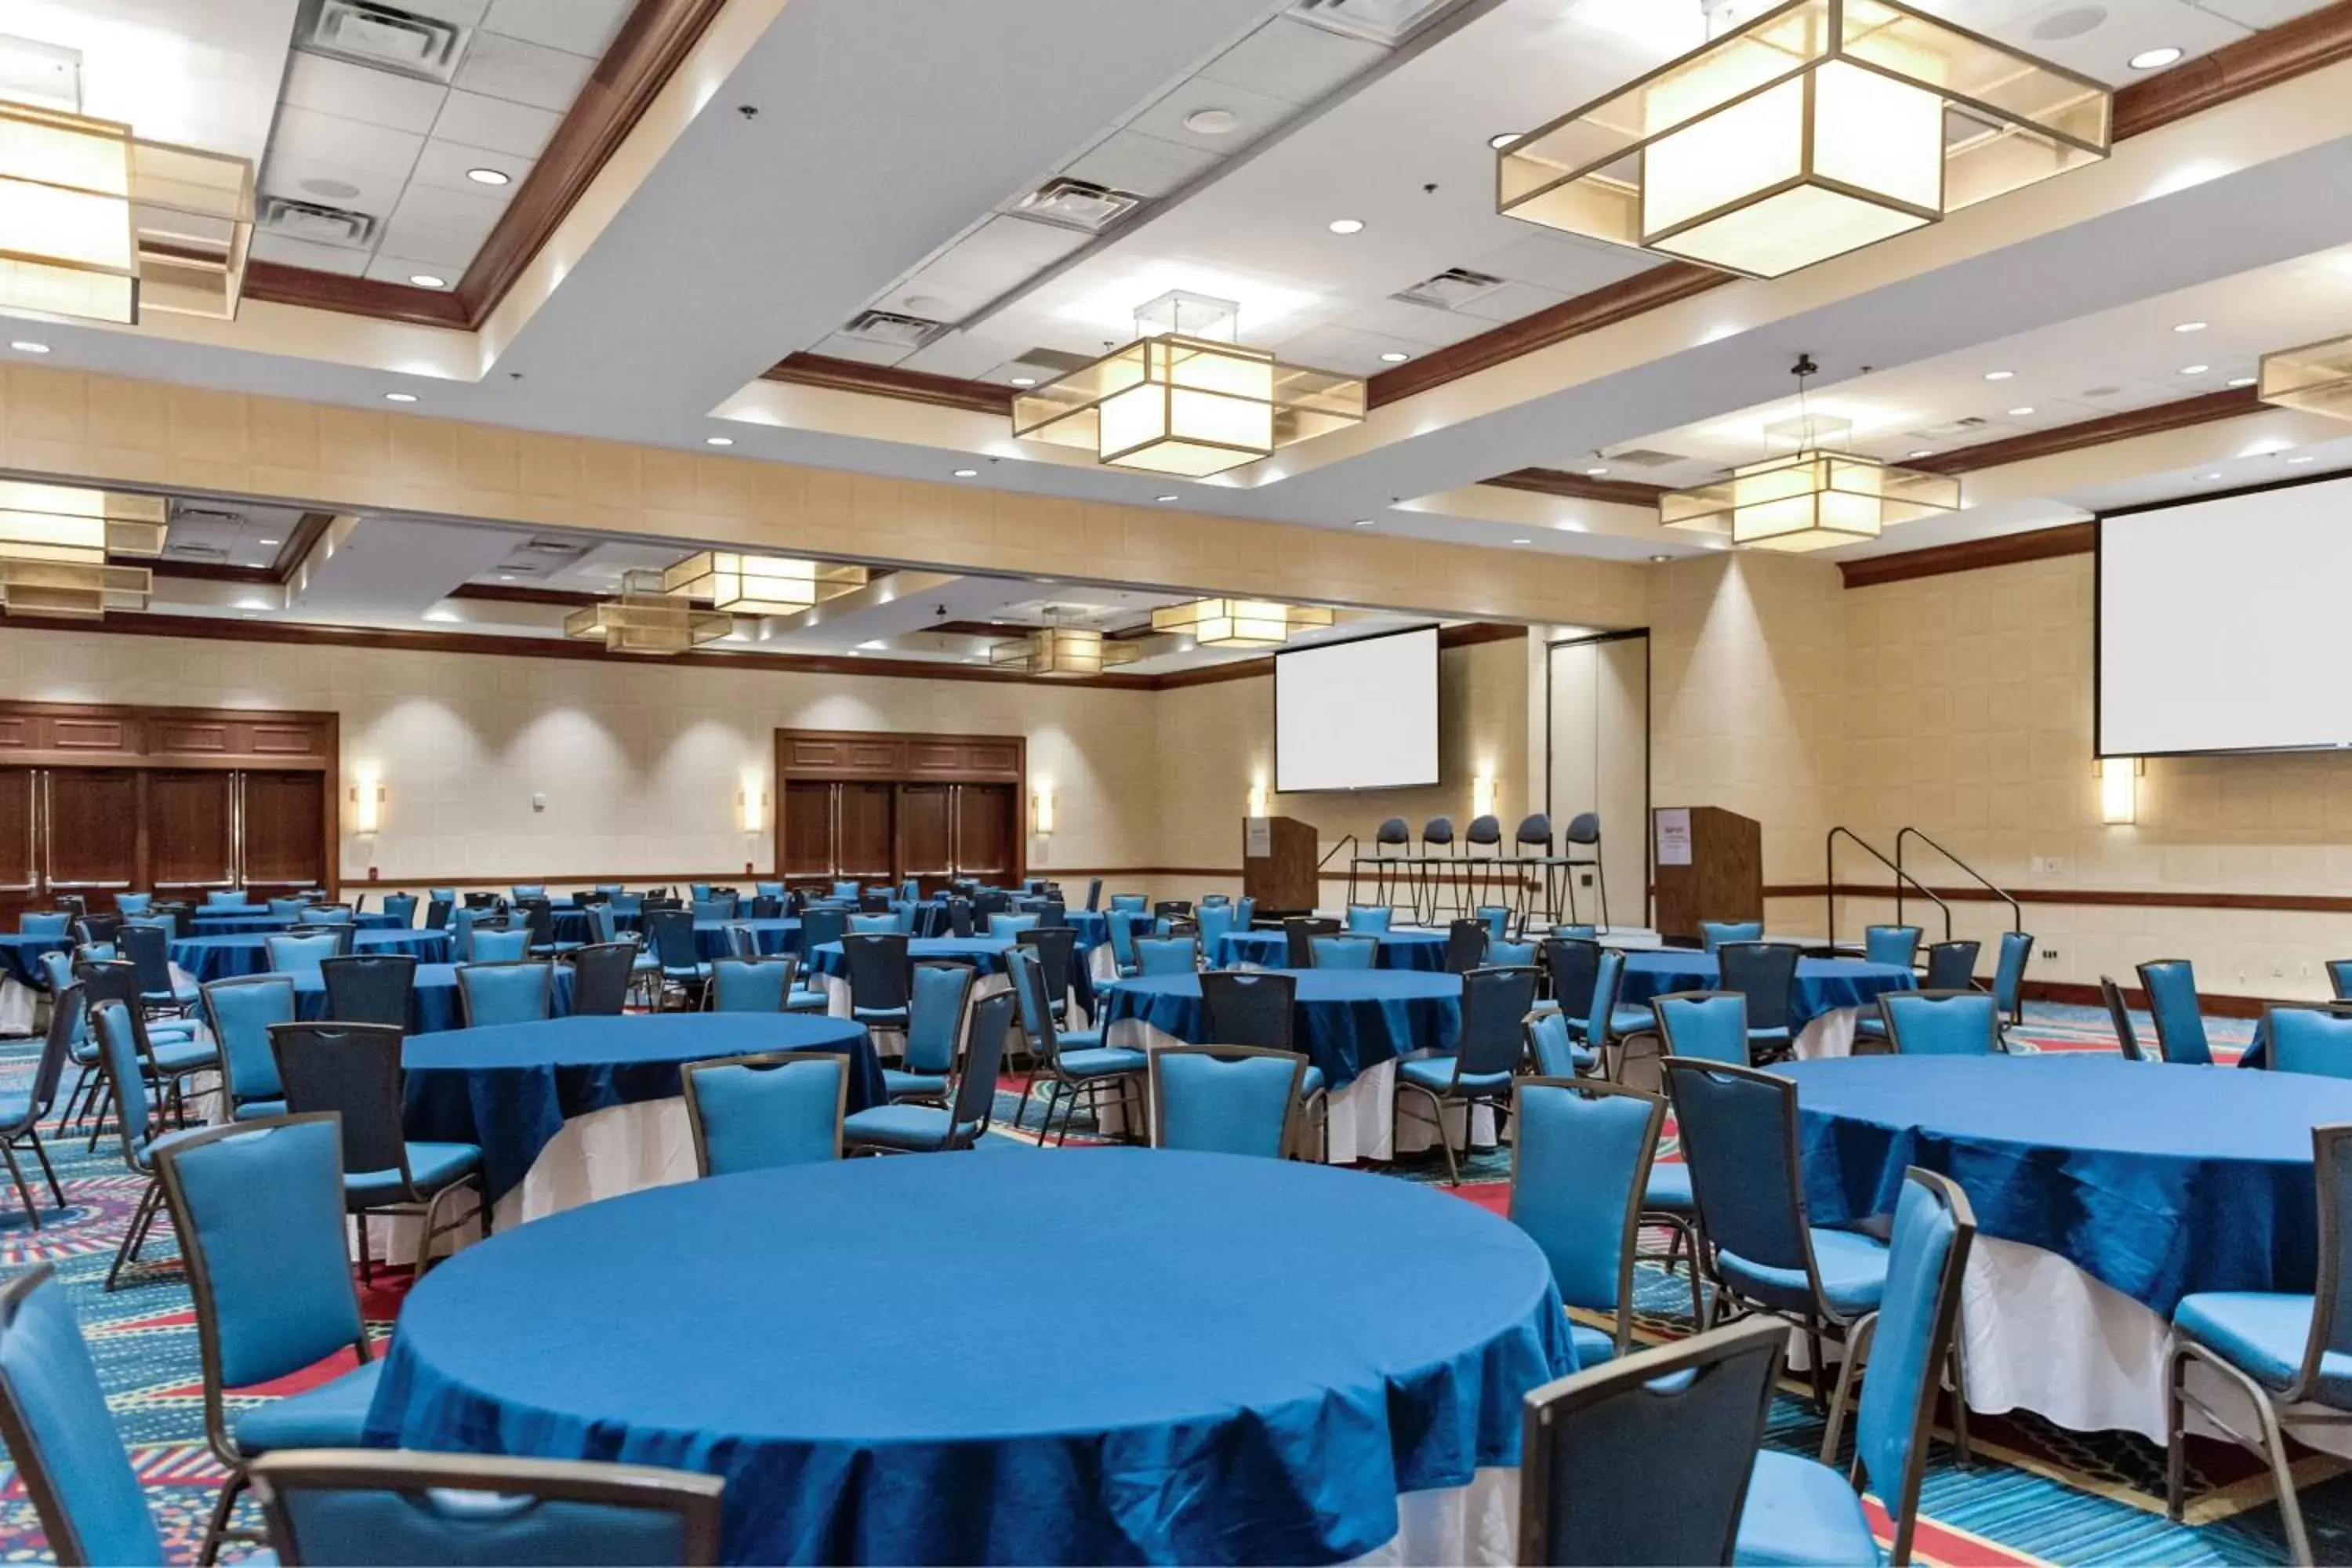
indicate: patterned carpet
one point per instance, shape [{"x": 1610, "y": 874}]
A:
[{"x": 2034, "y": 1493}]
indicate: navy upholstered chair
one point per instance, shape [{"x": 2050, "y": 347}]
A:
[
  {"x": 2309, "y": 1039},
  {"x": 821, "y": 926},
  {"x": 1072, "y": 1066},
  {"x": 1226, "y": 1099},
  {"x": 671, "y": 934},
  {"x": 1801, "y": 1510},
  {"x": 1713, "y": 934},
  {"x": 57, "y": 972},
  {"x": 370, "y": 987},
  {"x": 1094, "y": 892},
  {"x": 1345, "y": 952},
  {"x": 146, "y": 943},
  {"x": 521, "y": 991},
  {"x": 750, "y": 984},
  {"x": 880, "y": 975},
  {"x": 2171, "y": 987},
  {"x": 1465, "y": 945},
  {"x": 1941, "y": 1023},
  {"x": 910, "y": 1129},
  {"x": 257, "y": 1207},
  {"x": 1649, "y": 1458},
  {"x": 1951, "y": 966},
  {"x": 508, "y": 946},
  {"x": 775, "y": 1108},
  {"x": 1570, "y": 965},
  {"x": 241, "y": 1013},
  {"x": 1553, "y": 1048},
  {"x": 353, "y": 1070},
  {"x": 44, "y": 922},
  {"x": 1478, "y": 1071},
  {"x": 61, "y": 1435},
  {"x": 1056, "y": 947},
  {"x": 1766, "y": 973},
  {"x": 1581, "y": 1153},
  {"x": 343, "y": 1508},
  {"x": 601, "y": 975},
  {"x": 401, "y": 908},
  {"x": 1369, "y": 918},
  {"x": 1892, "y": 944},
  {"x": 935, "y": 1019},
  {"x": 1298, "y": 934},
  {"x": 2119, "y": 1019},
  {"x": 1215, "y": 920},
  {"x": 169, "y": 1055},
  {"x": 300, "y": 954}
]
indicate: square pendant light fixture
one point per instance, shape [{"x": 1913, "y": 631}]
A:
[
  {"x": 2316, "y": 378},
  {"x": 193, "y": 210},
  {"x": 759, "y": 585},
  {"x": 1814, "y": 128},
  {"x": 54, "y": 544},
  {"x": 645, "y": 619},
  {"x": 1238, "y": 623},
  {"x": 1061, "y": 650},
  {"x": 1185, "y": 398}
]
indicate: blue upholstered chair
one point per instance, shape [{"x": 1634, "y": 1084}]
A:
[
  {"x": 2171, "y": 987},
  {"x": 130, "y": 904},
  {"x": 353, "y": 1070},
  {"x": 23, "y": 1109},
  {"x": 1581, "y": 1154},
  {"x": 401, "y": 908},
  {"x": 1130, "y": 903},
  {"x": 240, "y": 1014},
  {"x": 1244, "y": 912},
  {"x": 1648, "y": 1458},
  {"x": 698, "y": 891},
  {"x": 287, "y": 909},
  {"x": 61, "y": 1435},
  {"x": 1011, "y": 925},
  {"x": 446, "y": 895},
  {"x": 1511, "y": 954},
  {"x": 1940, "y": 1022},
  {"x": 2008, "y": 979},
  {"x": 1705, "y": 1025},
  {"x": 671, "y": 933},
  {"x": 1257, "y": 1007},
  {"x": 1371, "y": 919},
  {"x": 516, "y": 991},
  {"x": 461, "y": 933},
  {"x": 907, "y": 1127},
  {"x": 2309, "y": 1039},
  {"x": 1124, "y": 925},
  {"x": 1072, "y": 1066},
  {"x": 2340, "y": 978},
  {"x": 137, "y": 1119},
  {"x": 1478, "y": 1071},
  {"x": 1226, "y": 1099},
  {"x": 506, "y": 946},
  {"x": 903, "y": 913},
  {"x": 1345, "y": 952},
  {"x": 750, "y": 984},
  {"x": 44, "y": 922},
  {"x": 1713, "y": 934},
  {"x": 1495, "y": 918},
  {"x": 1553, "y": 1048},
  {"x": 1216, "y": 921},
  {"x": 1764, "y": 973},
  {"x": 708, "y": 909},
  {"x": 1891, "y": 945},
  {"x": 1607, "y": 1026},
  {"x": 872, "y": 925},
  {"x": 848, "y": 892},
  {"x": 300, "y": 954},
  {"x": 935, "y": 1019},
  {"x": 224, "y": 898},
  {"x": 2278, "y": 1349},
  {"x": 1801, "y": 1510},
  {"x": 258, "y": 1209},
  {"x": 345, "y": 1508},
  {"x": 776, "y": 1108}
]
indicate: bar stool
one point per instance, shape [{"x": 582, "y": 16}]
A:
[{"x": 1437, "y": 835}]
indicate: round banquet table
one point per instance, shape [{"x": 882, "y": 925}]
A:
[
  {"x": 435, "y": 1006},
  {"x": 985, "y": 953},
  {"x": 1271, "y": 950},
  {"x": 1823, "y": 1003},
  {"x": 1353, "y": 1023},
  {"x": 1264, "y": 1392},
  {"x": 771, "y": 936},
  {"x": 249, "y": 922},
  {"x": 226, "y": 957},
  {"x": 20, "y": 956},
  {"x": 2104, "y": 1190}
]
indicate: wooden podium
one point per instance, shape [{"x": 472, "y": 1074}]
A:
[
  {"x": 1278, "y": 871},
  {"x": 1709, "y": 867}
]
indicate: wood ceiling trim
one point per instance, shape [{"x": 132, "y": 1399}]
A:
[
  {"x": 1971, "y": 555},
  {"x": 1577, "y": 487},
  {"x": 889, "y": 381},
  {"x": 298, "y": 542}
]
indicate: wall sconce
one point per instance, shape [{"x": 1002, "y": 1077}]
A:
[
  {"x": 2119, "y": 789},
  {"x": 1482, "y": 793},
  {"x": 1260, "y": 799},
  {"x": 1041, "y": 807},
  {"x": 367, "y": 806},
  {"x": 751, "y": 809}
]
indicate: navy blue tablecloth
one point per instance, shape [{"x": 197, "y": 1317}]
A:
[
  {"x": 20, "y": 957},
  {"x": 1823, "y": 984},
  {"x": 246, "y": 921},
  {"x": 1092, "y": 925},
  {"x": 2158, "y": 1180},
  {"x": 1257, "y": 1389},
  {"x": 771, "y": 935},
  {"x": 435, "y": 991},
  {"x": 1423, "y": 949},
  {"x": 1345, "y": 1020},
  {"x": 511, "y": 1087},
  {"x": 226, "y": 957},
  {"x": 985, "y": 952}
]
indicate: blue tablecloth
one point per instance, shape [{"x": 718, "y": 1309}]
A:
[
  {"x": 1261, "y": 1391},
  {"x": 1093, "y": 927},
  {"x": 1423, "y": 949},
  {"x": 1823, "y": 984},
  {"x": 1345, "y": 1020},
  {"x": 986, "y": 953},
  {"x": 226, "y": 957},
  {"x": 772, "y": 936},
  {"x": 20, "y": 957},
  {"x": 2158, "y": 1180},
  {"x": 510, "y": 1087},
  {"x": 435, "y": 991},
  {"x": 242, "y": 922}
]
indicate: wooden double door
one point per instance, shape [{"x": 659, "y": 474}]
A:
[{"x": 882, "y": 807}]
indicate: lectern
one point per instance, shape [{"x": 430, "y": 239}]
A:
[
  {"x": 1710, "y": 867},
  {"x": 1278, "y": 871}
]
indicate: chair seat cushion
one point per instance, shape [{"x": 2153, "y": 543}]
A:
[
  {"x": 2260, "y": 1332},
  {"x": 802, "y": 1001},
  {"x": 1068, "y": 1040},
  {"x": 887, "y": 1018},
  {"x": 913, "y": 1084},
  {"x": 896, "y": 1127},
  {"x": 1435, "y": 1074},
  {"x": 16, "y": 1109},
  {"x": 1852, "y": 1269},
  {"x": 184, "y": 1056},
  {"x": 1669, "y": 1191},
  {"x": 1099, "y": 1061},
  {"x": 1593, "y": 1346},
  {"x": 1310, "y": 1083},
  {"x": 330, "y": 1415},
  {"x": 255, "y": 1109},
  {"x": 182, "y": 994},
  {"x": 164, "y": 1141},
  {"x": 431, "y": 1167},
  {"x": 1776, "y": 1036},
  {"x": 1870, "y": 1023},
  {"x": 1800, "y": 1511},
  {"x": 685, "y": 972}
]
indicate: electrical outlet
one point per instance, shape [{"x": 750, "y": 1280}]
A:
[
  {"x": 2304, "y": 973},
  {"x": 2049, "y": 955},
  {"x": 1586, "y": 878},
  {"x": 2278, "y": 972}
]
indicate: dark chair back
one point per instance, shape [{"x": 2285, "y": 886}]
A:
[
  {"x": 601, "y": 974},
  {"x": 671, "y": 932},
  {"x": 821, "y": 926},
  {"x": 983, "y": 1057},
  {"x": 538, "y": 919},
  {"x": 1738, "y": 1132},
  {"x": 1094, "y": 892},
  {"x": 1646, "y": 1460},
  {"x": 353, "y": 1070},
  {"x": 1168, "y": 909},
  {"x": 1437, "y": 832},
  {"x": 1247, "y": 1007},
  {"x": 98, "y": 928},
  {"x": 1533, "y": 835},
  {"x": 1951, "y": 966},
  {"x": 146, "y": 946},
  {"x": 437, "y": 915},
  {"x": 2171, "y": 987},
  {"x": 1570, "y": 966},
  {"x": 1494, "y": 1001},
  {"x": 1299, "y": 932},
  {"x": 2009, "y": 973},
  {"x": 1485, "y": 832},
  {"x": 1392, "y": 830},
  {"x": 1763, "y": 971},
  {"x": 960, "y": 917},
  {"x": 1056, "y": 948},
  {"x": 1465, "y": 945},
  {"x": 881, "y": 976},
  {"x": 116, "y": 980},
  {"x": 1584, "y": 828},
  {"x": 2119, "y": 1019},
  {"x": 370, "y": 988}
]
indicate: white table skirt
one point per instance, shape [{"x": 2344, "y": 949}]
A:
[
  {"x": 1479, "y": 1523},
  {"x": 17, "y": 1004},
  {"x": 1828, "y": 1034}
]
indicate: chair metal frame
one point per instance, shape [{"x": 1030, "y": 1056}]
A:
[
  {"x": 760, "y": 1062},
  {"x": 1314, "y": 1110},
  {"x": 1289, "y": 1141},
  {"x": 1689, "y": 1236},
  {"x": 33, "y": 1467},
  {"x": 624, "y": 953},
  {"x": 1489, "y": 981},
  {"x": 2119, "y": 1019},
  {"x": 1628, "y": 1243},
  {"x": 1130, "y": 1087},
  {"x": 48, "y": 1074}
]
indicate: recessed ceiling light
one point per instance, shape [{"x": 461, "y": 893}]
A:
[
  {"x": 490, "y": 176},
  {"x": 1166, "y": 498},
  {"x": 428, "y": 280},
  {"x": 504, "y": 578},
  {"x": 2242, "y": 381},
  {"x": 1395, "y": 356},
  {"x": 2020, "y": 412},
  {"x": 265, "y": 541},
  {"x": 2304, "y": 459},
  {"x": 1598, "y": 471},
  {"x": 399, "y": 397},
  {"x": 1999, "y": 375},
  {"x": 2154, "y": 60},
  {"x": 1922, "y": 452},
  {"x": 967, "y": 473},
  {"x": 1210, "y": 122},
  {"x": 26, "y": 346},
  {"x": 2190, "y": 327},
  {"x": 2195, "y": 369},
  {"x": 718, "y": 440},
  {"x": 1363, "y": 522},
  {"x": 1660, "y": 560},
  {"x": 2214, "y": 475},
  {"x": 1523, "y": 541},
  {"x": 1025, "y": 381},
  {"x": 1504, "y": 139},
  {"x": 874, "y": 642},
  {"x": 1347, "y": 226}
]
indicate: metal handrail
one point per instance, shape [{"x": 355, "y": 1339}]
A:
[
  {"x": 1829, "y": 860},
  {"x": 2016, "y": 910}
]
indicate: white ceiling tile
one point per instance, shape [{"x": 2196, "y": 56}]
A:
[
  {"x": 455, "y": 211},
  {"x": 2261, "y": 13},
  {"x": 839, "y": 347},
  {"x": 475, "y": 120},
  {"x": 969, "y": 355},
  {"x": 923, "y": 295},
  {"x": 1511, "y": 302},
  {"x": 1000, "y": 254},
  {"x": 1571, "y": 266},
  {"x": 332, "y": 184},
  {"x": 1292, "y": 61},
  {"x": 2105, "y": 51},
  {"x": 354, "y": 92},
  {"x": 389, "y": 269},
  {"x": 1143, "y": 165},
  {"x": 456, "y": 12},
  {"x": 445, "y": 165},
  {"x": 518, "y": 72},
  {"x": 267, "y": 246},
  {"x": 1346, "y": 349},
  {"x": 442, "y": 250},
  {"x": 1257, "y": 113},
  {"x": 319, "y": 138},
  {"x": 1414, "y": 324},
  {"x": 577, "y": 26}
]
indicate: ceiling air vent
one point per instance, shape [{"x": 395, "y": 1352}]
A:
[
  {"x": 1074, "y": 204},
  {"x": 1384, "y": 22},
  {"x": 891, "y": 330},
  {"x": 1645, "y": 457},
  {"x": 316, "y": 222},
  {"x": 1451, "y": 289},
  {"x": 543, "y": 557},
  {"x": 387, "y": 38},
  {"x": 1950, "y": 428}
]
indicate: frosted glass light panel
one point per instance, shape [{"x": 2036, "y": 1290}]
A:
[
  {"x": 2317, "y": 377},
  {"x": 1238, "y": 623},
  {"x": 67, "y": 523},
  {"x": 1060, "y": 650},
  {"x": 66, "y": 246},
  {"x": 194, "y": 212},
  {"x": 759, "y": 585},
  {"x": 1809, "y": 501},
  {"x": 72, "y": 590},
  {"x": 644, "y": 619},
  {"x": 1815, "y": 129}
]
